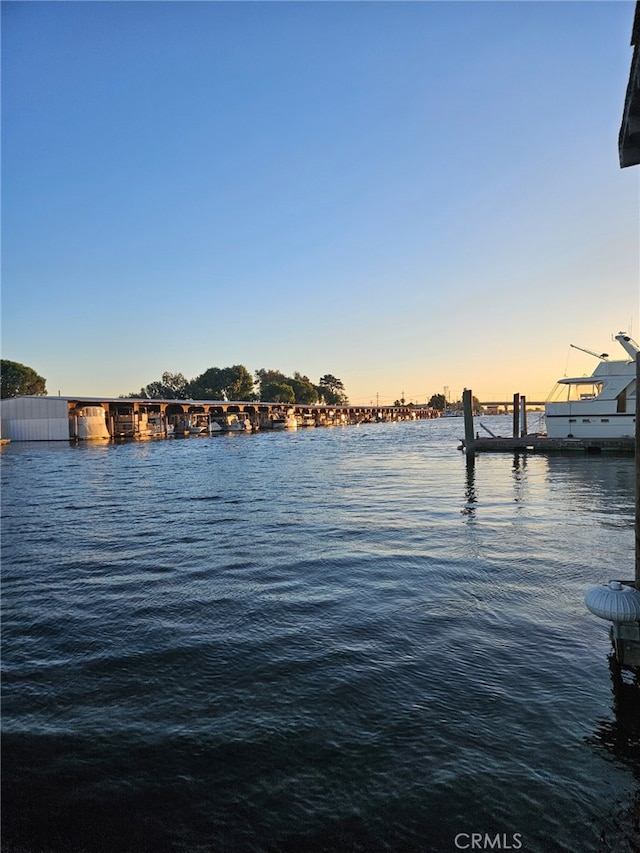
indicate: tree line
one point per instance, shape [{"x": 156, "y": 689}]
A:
[
  {"x": 236, "y": 383},
  {"x": 217, "y": 383}
]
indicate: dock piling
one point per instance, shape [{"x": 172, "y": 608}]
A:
[
  {"x": 469, "y": 438},
  {"x": 516, "y": 415},
  {"x": 637, "y": 573}
]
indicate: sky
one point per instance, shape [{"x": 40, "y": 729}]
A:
[{"x": 411, "y": 196}]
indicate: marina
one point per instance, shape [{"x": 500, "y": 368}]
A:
[
  {"x": 590, "y": 413},
  {"x": 245, "y": 626},
  {"x": 42, "y": 418}
]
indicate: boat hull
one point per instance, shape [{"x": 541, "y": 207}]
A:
[{"x": 576, "y": 425}]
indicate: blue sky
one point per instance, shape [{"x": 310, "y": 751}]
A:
[{"x": 407, "y": 195}]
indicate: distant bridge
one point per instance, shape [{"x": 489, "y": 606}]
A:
[{"x": 509, "y": 403}]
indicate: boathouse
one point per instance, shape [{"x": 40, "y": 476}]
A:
[{"x": 42, "y": 418}]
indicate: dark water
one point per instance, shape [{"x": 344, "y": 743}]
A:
[{"x": 335, "y": 639}]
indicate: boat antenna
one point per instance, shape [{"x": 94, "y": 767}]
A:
[{"x": 603, "y": 355}]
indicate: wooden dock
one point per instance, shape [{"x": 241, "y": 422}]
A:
[
  {"x": 543, "y": 444},
  {"x": 523, "y": 442}
]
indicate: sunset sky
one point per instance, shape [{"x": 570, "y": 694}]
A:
[{"x": 407, "y": 195}]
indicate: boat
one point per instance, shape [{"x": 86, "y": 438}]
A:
[
  {"x": 157, "y": 426},
  {"x": 198, "y": 424},
  {"x": 598, "y": 406},
  {"x": 236, "y": 423},
  {"x": 88, "y": 423},
  {"x": 285, "y": 421}
]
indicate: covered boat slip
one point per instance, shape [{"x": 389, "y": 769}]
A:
[
  {"x": 35, "y": 419},
  {"x": 96, "y": 418}
]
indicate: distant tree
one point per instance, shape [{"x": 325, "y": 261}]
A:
[
  {"x": 438, "y": 402},
  {"x": 304, "y": 389},
  {"x": 172, "y": 386},
  {"x": 272, "y": 382},
  {"x": 223, "y": 383},
  {"x": 277, "y": 392},
  {"x": 18, "y": 380},
  {"x": 266, "y": 376},
  {"x": 240, "y": 385},
  {"x": 331, "y": 391},
  {"x": 210, "y": 385}
]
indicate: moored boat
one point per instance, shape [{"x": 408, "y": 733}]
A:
[
  {"x": 88, "y": 423},
  {"x": 287, "y": 420},
  {"x": 199, "y": 424},
  {"x": 598, "y": 406},
  {"x": 236, "y": 423}
]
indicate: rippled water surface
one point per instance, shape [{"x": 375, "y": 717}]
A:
[{"x": 334, "y": 639}]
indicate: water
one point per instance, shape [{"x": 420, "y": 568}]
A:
[{"x": 330, "y": 640}]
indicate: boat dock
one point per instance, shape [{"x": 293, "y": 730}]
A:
[
  {"x": 544, "y": 444},
  {"x": 523, "y": 441}
]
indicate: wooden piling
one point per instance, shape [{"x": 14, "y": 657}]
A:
[
  {"x": 469, "y": 438},
  {"x": 516, "y": 415},
  {"x": 637, "y": 578},
  {"x": 523, "y": 416}
]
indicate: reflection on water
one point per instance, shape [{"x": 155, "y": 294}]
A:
[
  {"x": 519, "y": 477},
  {"x": 470, "y": 491},
  {"x": 619, "y": 736}
]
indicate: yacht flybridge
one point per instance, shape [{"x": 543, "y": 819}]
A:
[{"x": 602, "y": 405}]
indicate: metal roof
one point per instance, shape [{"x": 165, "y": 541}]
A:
[{"x": 629, "y": 137}]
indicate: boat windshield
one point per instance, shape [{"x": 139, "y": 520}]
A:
[{"x": 575, "y": 391}]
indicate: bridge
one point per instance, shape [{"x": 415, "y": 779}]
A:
[{"x": 509, "y": 403}]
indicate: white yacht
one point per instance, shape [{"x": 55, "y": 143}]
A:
[{"x": 602, "y": 405}]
